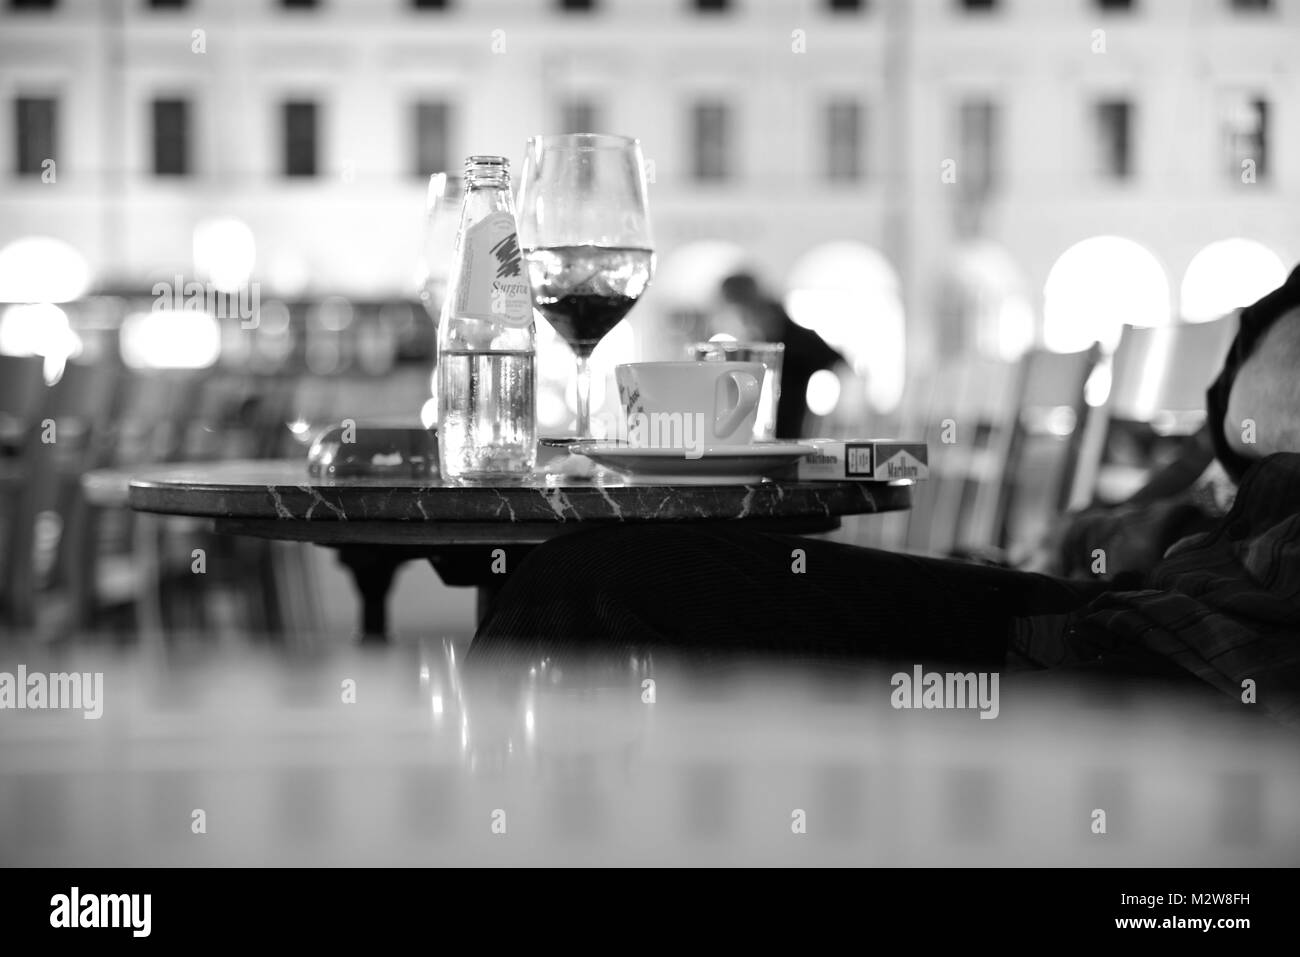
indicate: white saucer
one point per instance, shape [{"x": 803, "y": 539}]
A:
[{"x": 717, "y": 464}]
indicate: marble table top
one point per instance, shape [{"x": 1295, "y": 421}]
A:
[
  {"x": 283, "y": 491},
  {"x": 591, "y": 774}
]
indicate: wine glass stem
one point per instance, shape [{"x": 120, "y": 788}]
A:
[{"x": 584, "y": 398}]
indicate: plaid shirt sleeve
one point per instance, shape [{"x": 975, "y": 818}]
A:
[{"x": 1223, "y": 605}]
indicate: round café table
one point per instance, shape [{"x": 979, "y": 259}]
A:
[{"x": 377, "y": 523}]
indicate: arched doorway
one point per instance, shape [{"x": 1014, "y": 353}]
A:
[
  {"x": 849, "y": 294},
  {"x": 1098, "y": 286},
  {"x": 1226, "y": 275}
]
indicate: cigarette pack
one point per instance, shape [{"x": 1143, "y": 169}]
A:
[{"x": 865, "y": 460}]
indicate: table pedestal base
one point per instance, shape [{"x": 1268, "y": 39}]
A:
[
  {"x": 372, "y": 570},
  {"x": 374, "y": 567}
]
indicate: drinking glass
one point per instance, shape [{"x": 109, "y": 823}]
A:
[
  {"x": 771, "y": 354},
  {"x": 584, "y": 228}
]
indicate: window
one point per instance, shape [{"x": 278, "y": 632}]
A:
[
  {"x": 844, "y": 141},
  {"x": 578, "y": 116},
  {"x": 432, "y": 139},
  {"x": 300, "y": 133},
  {"x": 171, "y": 129},
  {"x": 1246, "y": 137},
  {"x": 710, "y": 136},
  {"x": 712, "y": 6},
  {"x": 977, "y": 166},
  {"x": 1113, "y": 135},
  {"x": 34, "y": 118}
]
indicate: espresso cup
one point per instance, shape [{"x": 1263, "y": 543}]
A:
[
  {"x": 772, "y": 355},
  {"x": 689, "y": 405}
]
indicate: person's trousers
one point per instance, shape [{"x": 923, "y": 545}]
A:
[{"x": 722, "y": 588}]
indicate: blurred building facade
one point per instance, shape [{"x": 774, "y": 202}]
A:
[{"x": 943, "y": 155}]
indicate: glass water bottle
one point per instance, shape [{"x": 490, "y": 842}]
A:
[{"x": 487, "y": 352}]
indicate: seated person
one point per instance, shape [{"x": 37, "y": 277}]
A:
[
  {"x": 765, "y": 320},
  {"x": 1194, "y": 491},
  {"x": 1185, "y": 497},
  {"x": 1222, "y": 605}
]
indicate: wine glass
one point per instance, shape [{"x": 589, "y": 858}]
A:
[
  {"x": 584, "y": 229},
  {"x": 442, "y": 219}
]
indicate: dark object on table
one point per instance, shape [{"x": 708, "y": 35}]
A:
[{"x": 360, "y": 450}]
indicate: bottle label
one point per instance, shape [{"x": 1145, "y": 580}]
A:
[{"x": 493, "y": 286}]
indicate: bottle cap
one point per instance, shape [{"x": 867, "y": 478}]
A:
[
  {"x": 492, "y": 172},
  {"x": 497, "y": 161}
]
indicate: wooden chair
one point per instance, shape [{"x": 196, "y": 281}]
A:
[
  {"x": 76, "y": 412},
  {"x": 22, "y": 395},
  {"x": 968, "y": 434},
  {"x": 1046, "y": 439},
  {"x": 1003, "y": 441},
  {"x": 1158, "y": 379},
  {"x": 259, "y": 586},
  {"x": 118, "y": 560}
]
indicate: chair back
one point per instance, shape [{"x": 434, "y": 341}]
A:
[
  {"x": 1046, "y": 439},
  {"x": 22, "y": 390},
  {"x": 1158, "y": 380},
  {"x": 967, "y": 433}
]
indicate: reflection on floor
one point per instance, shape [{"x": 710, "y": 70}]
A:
[{"x": 407, "y": 756}]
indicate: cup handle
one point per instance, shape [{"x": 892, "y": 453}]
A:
[{"x": 748, "y": 390}]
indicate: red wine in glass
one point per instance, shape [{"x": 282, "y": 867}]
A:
[{"x": 585, "y": 291}]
